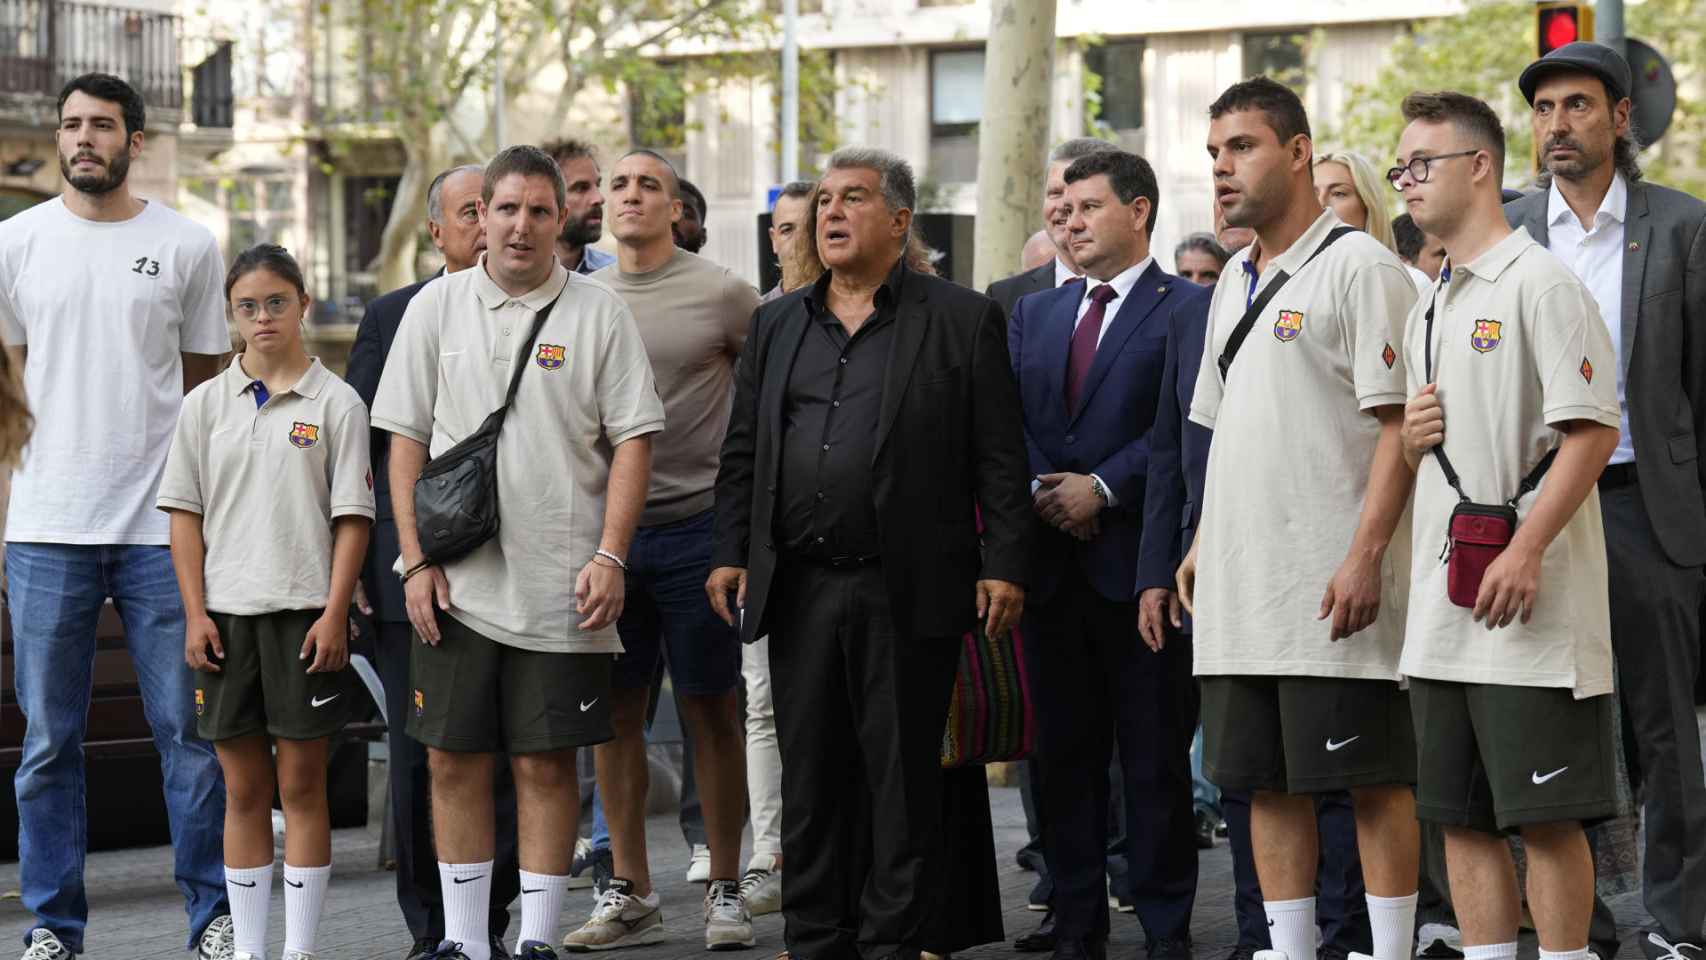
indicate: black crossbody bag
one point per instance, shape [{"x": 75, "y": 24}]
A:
[
  {"x": 1254, "y": 310},
  {"x": 456, "y": 497}
]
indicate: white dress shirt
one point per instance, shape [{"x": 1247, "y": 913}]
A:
[
  {"x": 1122, "y": 284},
  {"x": 1595, "y": 255},
  {"x": 1063, "y": 274}
]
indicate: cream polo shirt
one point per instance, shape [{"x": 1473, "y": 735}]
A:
[
  {"x": 587, "y": 388},
  {"x": 1294, "y": 437},
  {"x": 268, "y": 481},
  {"x": 1519, "y": 347}
]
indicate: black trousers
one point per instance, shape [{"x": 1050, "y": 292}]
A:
[
  {"x": 1094, "y": 685},
  {"x": 411, "y": 806},
  {"x": 860, "y": 710},
  {"x": 1655, "y": 635}
]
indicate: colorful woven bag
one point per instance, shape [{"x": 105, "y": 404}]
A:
[{"x": 989, "y": 718}]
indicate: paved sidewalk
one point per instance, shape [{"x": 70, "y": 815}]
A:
[{"x": 137, "y": 913}]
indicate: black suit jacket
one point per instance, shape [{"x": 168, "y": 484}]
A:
[
  {"x": 366, "y": 362},
  {"x": 1178, "y": 452},
  {"x": 1663, "y": 353},
  {"x": 1008, "y": 291},
  {"x": 949, "y": 439}
]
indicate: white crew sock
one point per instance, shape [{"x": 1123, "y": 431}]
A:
[
  {"x": 250, "y": 892},
  {"x": 1393, "y": 920},
  {"x": 1291, "y": 927},
  {"x": 304, "y": 894},
  {"x": 541, "y": 905},
  {"x": 467, "y": 892},
  {"x": 1490, "y": 951},
  {"x": 1582, "y": 954}
]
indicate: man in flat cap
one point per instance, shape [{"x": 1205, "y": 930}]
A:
[{"x": 1641, "y": 250}]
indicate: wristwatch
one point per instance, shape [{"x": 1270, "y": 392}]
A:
[{"x": 1099, "y": 490}]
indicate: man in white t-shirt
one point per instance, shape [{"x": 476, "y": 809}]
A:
[
  {"x": 1510, "y": 670},
  {"x": 1297, "y": 600},
  {"x": 114, "y": 305}
]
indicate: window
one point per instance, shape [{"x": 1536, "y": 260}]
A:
[
  {"x": 1281, "y": 56},
  {"x": 1118, "y": 64},
  {"x": 956, "y": 107}
]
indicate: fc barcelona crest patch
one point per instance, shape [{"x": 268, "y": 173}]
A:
[
  {"x": 1288, "y": 326},
  {"x": 1587, "y": 370},
  {"x": 550, "y": 356},
  {"x": 200, "y": 702},
  {"x": 304, "y": 435},
  {"x": 420, "y": 703},
  {"x": 1389, "y": 356},
  {"x": 1486, "y": 335}
]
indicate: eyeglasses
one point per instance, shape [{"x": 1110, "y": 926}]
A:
[
  {"x": 276, "y": 307},
  {"x": 1418, "y": 167}
]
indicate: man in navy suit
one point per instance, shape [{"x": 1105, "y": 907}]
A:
[{"x": 1088, "y": 358}]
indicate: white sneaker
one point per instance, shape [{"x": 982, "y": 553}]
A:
[
  {"x": 217, "y": 941},
  {"x": 1439, "y": 941},
  {"x": 300, "y": 955},
  {"x": 699, "y": 867},
  {"x": 619, "y": 919},
  {"x": 580, "y": 869},
  {"x": 728, "y": 925},
  {"x": 45, "y": 946},
  {"x": 761, "y": 886}
]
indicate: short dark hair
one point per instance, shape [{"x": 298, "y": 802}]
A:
[
  {"x": 1130, "y": 175},
  {"x": 798, "y": 189},
  {"x": 1472, "y": 118},
  {"x": 105, "y": 86},
  {"x": 1407, "y": 237},
  {"x": 1202, "y": 243},
  {"x": 529, "y": 161},
  {"x": 1277, "y": 102},
  {"x": 270, "y": 257},
  {"x": 691, "y": 194},
  {"x": 674, "y": 174},
  {"x": 569, "y": 148}
]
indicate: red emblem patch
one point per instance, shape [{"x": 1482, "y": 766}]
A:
[
  {"x": 1587, "y": 370},
  {"x": 1389, "y": 355}
]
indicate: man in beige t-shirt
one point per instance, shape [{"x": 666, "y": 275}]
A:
[
  {"x": 1298, "y": 602},
  {"x": 1512, "y": 694},
  {"x": 693, "y": 316},
  {"x": 517, "y": 635}
]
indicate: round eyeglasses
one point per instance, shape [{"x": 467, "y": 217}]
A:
[
  {"x": 1418, "y": 167},
  {"x": 276, "y": 307}
]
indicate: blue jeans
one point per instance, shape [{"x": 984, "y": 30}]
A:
[
  {"x": 56, "y": 592},
  {"x": 1204, "y": 795}
]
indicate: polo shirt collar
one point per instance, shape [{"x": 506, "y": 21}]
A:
[
  {"x": 493, "y": 296},
  {"x": 1296, "y": 255},
  {"x": 238, "y": 382},
  {"x": 1614, "y": 207},
  {"x": 1495, "y": 260}
]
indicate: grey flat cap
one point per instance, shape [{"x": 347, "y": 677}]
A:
[{"x": 1583, "y": 56}]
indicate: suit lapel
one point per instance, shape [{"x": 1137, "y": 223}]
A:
[
  {"x": 1151, "y": 288},
  {"x": 1637, "y": 232},
  {"x": 1042, "y": 278},
  {"x": 911, "y": 323},
  {"x": 1535, "y": 221}
]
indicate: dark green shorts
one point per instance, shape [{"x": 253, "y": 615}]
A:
[
  {"x": 263, "y": 685},
  {"x": 1305, "y": 734},
  {"x": 475, "y": 695},
  {"x": 1497, "y": 757}
]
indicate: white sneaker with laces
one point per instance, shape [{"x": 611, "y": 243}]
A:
[
  {"x": 728, "y": 925},
  {"x": 44, "y": 945},
  {"x": 218, "y": 941},
  {"x": 761, "y": 886},
  {"x": 699, "y": 866},
  {"x": 619, "y": 919}
]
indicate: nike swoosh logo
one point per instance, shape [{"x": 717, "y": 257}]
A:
[
  {"x": 588, "y": 704},
  {"x": 316, "y": 702},
  {"x": 461, "y": 880},
  {"x": 526, "y": 891},
  {"x": 293, "y": 883},
  {"x": 242, "y": 884},
  {"x": 1336, "y": 747},
  {"x": 1538, "y": 779},
  {"x": 1270, "y": 921}
]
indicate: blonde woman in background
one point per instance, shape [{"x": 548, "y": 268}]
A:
[{"x": 1350, "y": 185}]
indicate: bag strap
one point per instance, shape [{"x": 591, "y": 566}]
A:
[
  {"x": 1528, "y": 483},
  {"x": 1255, "y": 308},
  {"x": 521, "y": 361}
]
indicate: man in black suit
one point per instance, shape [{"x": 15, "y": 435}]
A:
[
  {"x": 454, "y": 223},
  {"x": 1641, "y": 250},
  {"x": 875, "y": 415}
]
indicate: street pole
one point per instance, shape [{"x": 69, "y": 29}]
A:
[
  {"x": 1608, "y": 23},
  {"x": 790, "y": 91},
  {"x": 498, "y": 84},
  {"x": 1013, "y": 137}
]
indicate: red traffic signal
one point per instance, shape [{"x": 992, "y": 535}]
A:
[{"x": 1562, "y": 23}]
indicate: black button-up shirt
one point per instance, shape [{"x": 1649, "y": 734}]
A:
[{"x": 829, "y": 428}]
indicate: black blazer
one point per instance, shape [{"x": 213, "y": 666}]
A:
[
  {"x": 366, "y": 362},
  {"x": 949, "y": 439},
  {"x": 1008, "y": 291},
  {"x": 1663, "y": 353},
  {"x": 1178, "y": 452}
]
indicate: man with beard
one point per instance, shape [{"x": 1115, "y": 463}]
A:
[
  {"x": 689, "y": 231},
  {"x": 100, "y": 285},
  {"x": 1641, "y": 250},
  {"x": 1305, "y": 489},
  {"x": 579, "y": 162}
]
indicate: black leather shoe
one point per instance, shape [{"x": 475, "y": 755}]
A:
[
  {"x": 1040, "y": 940},
  {"x": 1163, "y": 948}
]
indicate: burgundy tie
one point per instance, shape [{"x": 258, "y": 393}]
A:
[{"x": 1084, "y": 344}]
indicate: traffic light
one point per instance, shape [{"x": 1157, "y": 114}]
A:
[{"x": 1558, "y": 23}]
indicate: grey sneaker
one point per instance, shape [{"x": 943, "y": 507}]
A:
[
  {"x": 728, "y": 925},
  {"x": 761, "y": 886},
  {"x": 699, "y": 864},
  {"x": 619, "y": 920},
  {"x": 217, "y": 941},
  {"x": 44, "y": 945}
]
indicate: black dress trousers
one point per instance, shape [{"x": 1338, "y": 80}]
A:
[{"x": 860, "y": 710}]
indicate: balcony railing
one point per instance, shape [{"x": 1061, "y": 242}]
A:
[{"x": 45, "y": 43}]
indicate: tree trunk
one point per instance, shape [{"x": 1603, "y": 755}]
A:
[
  {"x": 423, "y": 158},
  {"x": 1013, "y": 138}
]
